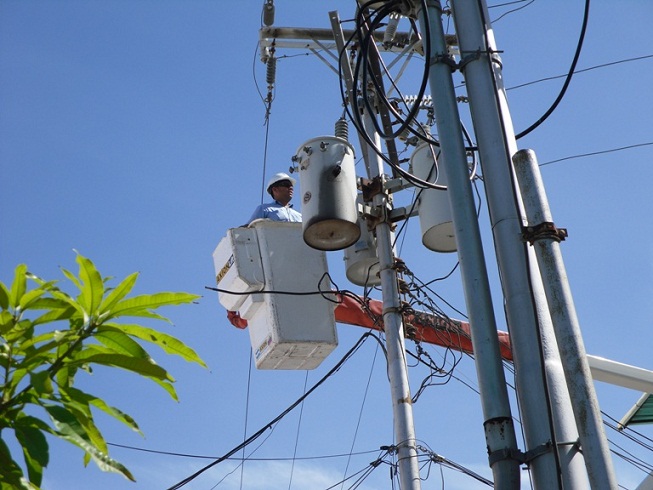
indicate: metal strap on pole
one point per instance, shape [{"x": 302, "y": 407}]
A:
[{"x": 594, "y": 444}]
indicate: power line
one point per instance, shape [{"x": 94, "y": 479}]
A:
[
  {"x": 595, "y": 67},
  {"x": 581, "y": 155},
  {"x": 274, "y": 421}
]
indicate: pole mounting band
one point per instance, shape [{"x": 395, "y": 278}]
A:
[
  {"x": 544, "y": 231},
  {"x": 521, "y": 457}
]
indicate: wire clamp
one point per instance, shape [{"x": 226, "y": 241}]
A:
[
  {"x": 544, "y": 231},
  {"x": 476, "y": 55},
  {"x": 447, "y": 59},
  {"x": 519, "y": 456}
]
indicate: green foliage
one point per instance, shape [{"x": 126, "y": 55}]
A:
[{"x": 46, "y": 337}]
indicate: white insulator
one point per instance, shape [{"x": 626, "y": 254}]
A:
[
  {"x": 271, "y": 72},
  {"x": 426, "y": 101},
  {"x": 268, "y": 13},
  {"x": 391, "y": 29},
  {"x": 342, "y": 129}
]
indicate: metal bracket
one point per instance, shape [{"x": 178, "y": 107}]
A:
[
  {"x": 371, "y": 188},
  {"x": 447, "y": 59},
  {"x": 544, "y": 231},
  {"x": 464, "y": 61},
  {"x": 521, "y": 457}
]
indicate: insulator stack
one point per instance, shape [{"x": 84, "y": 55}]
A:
[
  {"x": 342, "y": 129},
  {"x": 391, "y": 29},
  {"x": 268, "y": 13},
  {"x": 425, "y": 102},
  {"x": 271, "y": 72}
]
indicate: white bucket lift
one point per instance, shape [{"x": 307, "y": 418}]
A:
[
  {"x": 435, "y": 218},
  {"x": 286, "y": 331}
]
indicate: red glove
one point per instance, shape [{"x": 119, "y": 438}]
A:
[{"x": 236, "y": 320}]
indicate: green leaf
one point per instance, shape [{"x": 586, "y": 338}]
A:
[
  {"x": 144, "y": 367},
  {"x": 168, "y": 343},
  {"x": 22, "y": 329},
  {"x": 30, "y": 297},
  {"x": 89, "y": 399},
  {"x": 19, "y": 285},
  {"x": 71, "y": 430},
  {"x": 168, "y": 387},
  {"x": 7, "y": 321},
  {"x": 72, "y": 277},
  {"x": 120, "y": 343},
  {"x": 120, "y": 291},
  {"x": 142, "y": 303},
  {"x": 61, "y": 296},
  {"x": 41, "y": 382},
  {"x": 35, "y": 451},
  {"x": 55, "y": 316},
  {"x": 93, "y": 287},
  {"x": 11, "y": 476},
  {"x": 4, "y": 296}
]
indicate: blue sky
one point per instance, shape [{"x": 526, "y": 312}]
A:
[{"x": 134, "y": 133}]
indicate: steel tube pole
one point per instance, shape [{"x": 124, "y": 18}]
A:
[
  {"x": 540, "y": 382},
  {"x": 545, "y": 240},
  {"x": 499, "y": 428},
  {"x": 402, "y": 406}
]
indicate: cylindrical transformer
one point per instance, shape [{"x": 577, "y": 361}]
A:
[
  {"x": 433, "y": 204},
  {"x": 328, "y": 182},
  {"x": 361, "y": 260}
]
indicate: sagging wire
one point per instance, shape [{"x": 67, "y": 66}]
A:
[
  {"x": 439, "y": 374},
  {"x": 299, "y": 424},
  {"x": 363, "y": 474},
  {"x": 360, "y": 413},
  {"x": 567, "y": 81},
  {"x": 273, "y": 422}
]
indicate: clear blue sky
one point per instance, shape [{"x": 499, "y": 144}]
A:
[{"x": 133, "y": 132}]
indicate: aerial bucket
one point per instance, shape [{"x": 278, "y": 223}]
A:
[
  {"x": 361, "y": 260},
  {"x": 328, "y": 181},
  {"x": 433, "y": 204}
]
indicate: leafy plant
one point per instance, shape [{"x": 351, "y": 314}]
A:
[{"x": 46, "y": 338}]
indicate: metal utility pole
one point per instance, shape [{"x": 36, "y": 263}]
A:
[
  {"x": 545, "y": 238},
  {"x": 540, "y": 383},
  {"x": 394, "y": 330},
  {"x": 499, "y": 429},
  {"x": 402, "y": 407}
]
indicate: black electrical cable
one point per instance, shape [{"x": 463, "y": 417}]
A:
[
  {"x": 602, "y": 152},
  {"x": 270, "y": 424},
  {"x": 565, "y": 85},
  {"x": 595, "y": 67}
]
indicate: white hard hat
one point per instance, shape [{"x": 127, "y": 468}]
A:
[{"x": 278, "y": 178}]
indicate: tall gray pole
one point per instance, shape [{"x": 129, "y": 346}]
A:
[
  {"x": 394, "y": 333},
  {"x": 545, "y": 238},
  {"x": 402, "y": 407},
  {"x": 499, "y": 428},
  {"x": 541, "y": 387}
]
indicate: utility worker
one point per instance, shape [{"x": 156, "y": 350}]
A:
[{"x": 280, "y": 187}]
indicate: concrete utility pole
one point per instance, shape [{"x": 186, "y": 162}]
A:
[
  {"x": 549, "y": 430},
  {"x": 499, "y": 429},
  {"x": 545, "y": 238}
]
